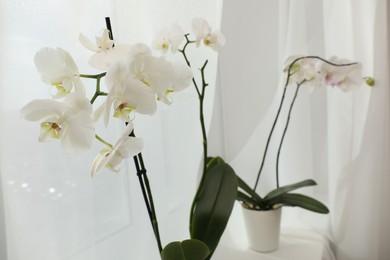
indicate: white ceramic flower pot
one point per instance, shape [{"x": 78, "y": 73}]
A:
[{"x": 263, "y": 228}]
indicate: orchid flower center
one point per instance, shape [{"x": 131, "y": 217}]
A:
[
  {"x": 61, "y": 90},
  {"x": 207, "y": 40},
  {"x": 123, "y": 110},
  {"x": 50, "y": 130}
]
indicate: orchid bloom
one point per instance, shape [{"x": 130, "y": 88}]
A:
[
  {"x": 107, "y": 52},
  {"x": 127, "y": 94},
  {"x": 162, "y": 76},
  {"x": 69, "y": 121},
  {"x": 134, "y": 85},
  {"x": 303, "y": 69},
  {"x": 346, "y": 78},
  {"x": 57, "y": 68},
  {"x": 112, "y": 156},
  {"x": 169, "y": 38},
  {"x": 203, "y": 32}
]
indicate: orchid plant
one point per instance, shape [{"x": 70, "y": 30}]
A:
[
  {"x": 132, "y": 79},
  {"x": 301, "y": 71}
]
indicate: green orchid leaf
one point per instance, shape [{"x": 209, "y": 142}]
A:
[
  {"x": 245, "y": 198},
  {"x": 212, "y": 161},
  {"x": 190, "y": 249},
  {"x": 214, "y": 204},
  {"x": 245, "y": 187},
  {"x": 303, "y": 201},
  {"x": 284, "y": 189}
]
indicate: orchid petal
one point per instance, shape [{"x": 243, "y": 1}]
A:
[
  {"x": 139, "y": 49},
  {"x": 132, "y": 93},
  {"x": 104, "y": 60},
  {"x": 57, "y": 68},
  {"x": 200, "y": 28},
  {"x": 182, "y": 76},
  {"x": 78, "y": 103},
  {"x": 100, "y": 161},
  {"x": 125, "y": 147},
  {"x": 79, "y": 133},
  {"x": 176, "y": 37},
  {"x": 116, "y": 73},
  {"x": 87, "y": 43},
  {"x": 40, "y": 109}
]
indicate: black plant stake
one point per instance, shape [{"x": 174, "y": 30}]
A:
[{"x": 143, "y": 177}]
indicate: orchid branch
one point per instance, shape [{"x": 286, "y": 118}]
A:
[
  {"x": 204, "y": 136},
  {"x": 201, "y": 95},
  {"x": 271, "y": 133},
  {"x": 103, "y": 141},
  {"x": 183, "y": 51},
  {"x": 98, "y": 77},
  {"x": 285, "y": 130},
  {"x": 94, "y": 76},
  {"x": 289, "y": 74}
]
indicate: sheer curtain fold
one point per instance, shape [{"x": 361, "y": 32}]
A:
[{"x": 342, "y": 138}]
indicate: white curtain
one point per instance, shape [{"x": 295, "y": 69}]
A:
[
  {"x": 49, "y": 206},
  {"x": 51, "y": 209},
  {"x": 341, "y": 140}
]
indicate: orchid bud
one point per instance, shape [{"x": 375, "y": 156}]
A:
[{"x": 370, "y": 81}]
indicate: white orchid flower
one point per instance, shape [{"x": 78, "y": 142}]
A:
[
  {"x": 203, "y": 32},
  {"x": 69, "y": 121},
  {"x": 107, "y": 52},
  {"x": 162, "y": 76},
  {"x": 346, "y": 78},
  {"x": 127, "y": 94},
  {"x": 111, "y": 157},
  {"x": 155, "y": 72},
  {"x": 182, "y": 77},
  {"x": 57, "y": 68},
  {"x": 303, "y": 69},
  {"x": 169, "y": 38},
  {"x": 138, "y": 50},
  {"x": 134, "y": 85}
]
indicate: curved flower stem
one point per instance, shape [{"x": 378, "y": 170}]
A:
[
  {"x": 270, "y": 134},
  {"x": 201, "y": 95},
  {"x": 285, "y": 130},
  {"x": 103, "y": 141},
  {"x": 97, "y": 91},
  {"x": 204, "y": 136},
  {"x": 96, "y": 76},
  {"x": 183, "y": 51},
  {"x": 289, "y": 73},
  {"x": 201, "y": 116}
]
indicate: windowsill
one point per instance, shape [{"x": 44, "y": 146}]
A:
[{"x": 295, "y": 244}]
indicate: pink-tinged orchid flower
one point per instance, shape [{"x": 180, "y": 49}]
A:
[
  {"x": 302, "y": 69},
  {"x": 346, "y": 78}
]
